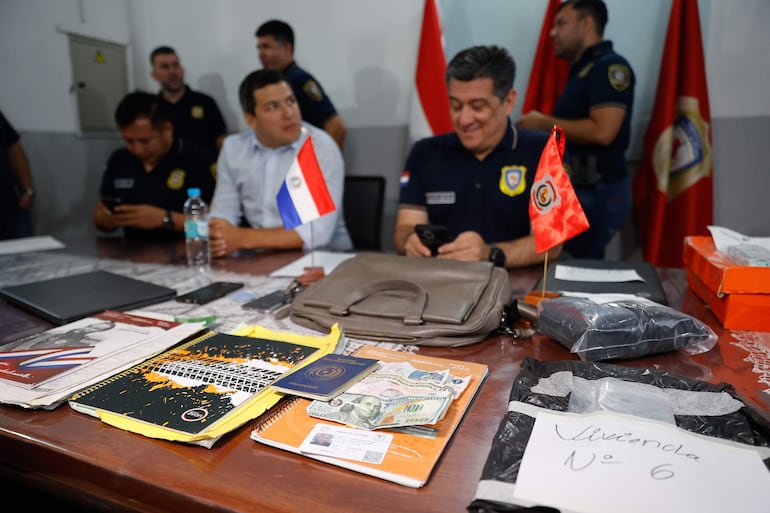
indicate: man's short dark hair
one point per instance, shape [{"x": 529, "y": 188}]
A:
[
  {"x": 596, "y": 9},
  {"x": 484, "y": 62},
  {"x": 280, "y": 30},
  {"x": 254, "y": 81},
  {"x": 138, "y": 105},
  {"x": 161, "y": 50}
]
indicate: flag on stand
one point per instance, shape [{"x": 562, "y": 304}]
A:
[
  {"x": 549, "y": 74},
  {"x": 429, "y": 105},
  {"x": 304, "y": 196},
  {"x": 673, "y": 186},
  {"x": 554, "y": 209}
]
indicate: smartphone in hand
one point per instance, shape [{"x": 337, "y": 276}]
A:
[
  {"x": 432, "y": 236},
  {"x": 111, "y": 202}
]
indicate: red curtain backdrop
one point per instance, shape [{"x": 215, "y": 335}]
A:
[
  {"x": 673, "y": 189},
  {"x": 549, "y": 74},
  {"x": 430, "y": 104}
]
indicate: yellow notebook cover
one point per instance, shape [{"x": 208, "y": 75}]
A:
[
  {"x": 204, "y": 388},
  {"x": 410, "y": 458}
]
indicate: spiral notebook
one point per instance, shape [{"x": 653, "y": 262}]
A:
[{"x": 411, "y": 457}]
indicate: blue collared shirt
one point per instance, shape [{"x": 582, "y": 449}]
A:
[{"x": 249, "y": 176}]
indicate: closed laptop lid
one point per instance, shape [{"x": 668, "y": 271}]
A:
[
  {"x": 69, "y": 298},
  {"x": 649, "y": 287}
]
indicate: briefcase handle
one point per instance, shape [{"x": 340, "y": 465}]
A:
[{"x": 413, "y": 316}]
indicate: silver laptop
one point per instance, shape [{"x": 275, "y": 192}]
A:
[{"x": 69, "y": 298}]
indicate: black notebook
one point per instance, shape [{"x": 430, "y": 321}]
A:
[
  {"x": 69, "y": 298},
  {"x": 649, "y": 286}
]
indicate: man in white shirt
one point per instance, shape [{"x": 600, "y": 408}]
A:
[{"x": 252, "y": 166}]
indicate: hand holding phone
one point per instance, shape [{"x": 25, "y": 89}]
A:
[
  {"x": 111, "y": 202},
  {"x": 432, "y": 236}
]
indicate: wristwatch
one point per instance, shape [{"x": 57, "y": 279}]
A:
[
  {"x": 496, "y": 256},
  {"x": 168, "y": 221}
]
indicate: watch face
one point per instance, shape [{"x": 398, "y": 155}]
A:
[{"x": 497, "y": 256}]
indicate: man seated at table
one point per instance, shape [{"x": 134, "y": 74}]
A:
[
  {"x": 252, "y": 166},
  {"x": 476, "y": 180},
  {"x": 145, "y": 184}
]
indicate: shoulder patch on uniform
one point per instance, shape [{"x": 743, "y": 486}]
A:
[
  {"x": 313, "y": 90},
  {"x": 213, "y": 169},
  {"x": 197, "y": 112},
  {"x": 583, "y": 72},
  {"x": 175, "y": 179},
  {"x": 620, "y": 76},
  {"x": 513, "y": 180}
]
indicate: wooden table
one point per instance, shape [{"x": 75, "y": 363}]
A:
[{"x": 96, "y": 467}]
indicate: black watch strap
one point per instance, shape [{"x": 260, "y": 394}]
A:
[
  {"x": 168, "y": 221},
  {"x": 497, "y": 256}
]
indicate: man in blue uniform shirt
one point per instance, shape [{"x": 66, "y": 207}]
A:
[
  {"x": 195, "y": 116},
  {"x": 145, "y": 184},
  {"x": 16, "y": 192},
  {"x": 252, "y": 167},
  {"x": 595, "y": 112},
  {"x": 475, "y": 181},
  {"x": 275, "y": 45}
]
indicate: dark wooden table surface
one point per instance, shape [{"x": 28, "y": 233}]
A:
[{"x": 93, "y": 466}]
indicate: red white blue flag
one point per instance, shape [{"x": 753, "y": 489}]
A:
[{"x": 304, "y": 196}]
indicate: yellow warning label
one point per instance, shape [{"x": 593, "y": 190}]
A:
[{"x": 99, "y": 57}]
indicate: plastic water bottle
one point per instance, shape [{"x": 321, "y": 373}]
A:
[{"x": 196, "y": 231}]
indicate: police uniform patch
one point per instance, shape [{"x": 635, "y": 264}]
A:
[
  {"x": 313, "y": 90},
  {"x": 196, "y": 112},
  {"x": 404, "y": 180},
  {"x": 513, "y": 180},
  {"x": 175, "y": 179},
  {"x": 620, "y": 76}
]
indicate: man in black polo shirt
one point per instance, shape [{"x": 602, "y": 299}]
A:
[
  {"x": 145, "y": 184},
  {"x": 475, "y": 181},
  {"x": 275, "y": 45},
  {"x": 195, "y": 116}
]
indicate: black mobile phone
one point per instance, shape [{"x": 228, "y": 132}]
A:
[
  {"x": 432, "y": 236},
  {"x": 210, "y": 292},
  {"x": 111, "y": 202},
  {"x": 268, "y": 302}
]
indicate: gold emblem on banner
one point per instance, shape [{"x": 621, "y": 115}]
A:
[{"x": 682, "y": 153}]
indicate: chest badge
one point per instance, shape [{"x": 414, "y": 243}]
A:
[
  {"x": 513, "y": 180},
  {"x": 197, "y": 112},
  {"x": 175, "y": 180}
]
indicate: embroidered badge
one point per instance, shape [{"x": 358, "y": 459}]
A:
[
  {"x": 175, "y": 179},
  {"x": 682, "y": 153},
  {"x": 404, "y": 180},
  {"x": 513, "y": 180},
  {"x": 196, "y": 111},
  {"x": 620, "y": 76},
  {"x": 313, "y": 91}
]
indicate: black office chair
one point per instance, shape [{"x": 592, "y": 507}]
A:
[{"x": 363, "y": 202}]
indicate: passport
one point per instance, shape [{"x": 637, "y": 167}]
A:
[{"x": 326, "y": 378}]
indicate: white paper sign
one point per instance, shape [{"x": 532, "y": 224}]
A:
[
  {"x": 572, "y": 273},
  {"x": 607, "y": 462},
  {"x": 347, "y": 443}
]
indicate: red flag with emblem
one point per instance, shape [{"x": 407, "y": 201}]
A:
[
  {"x": 429, "y": 113},
  {"x": 549, "y": 74},
  {"x": 554, "y": 208},
  {"x": 673, "y": 189}
]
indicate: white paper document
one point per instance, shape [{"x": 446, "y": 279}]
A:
[
  {"x": 326, "y": 259},
  {"x": 725, "y": 237},
  {"x": 572, "y": 273},
  {"x": 347, "y": 443},
  {"x": 29, "y": 244},
  {"x": 606, "y": 462}
]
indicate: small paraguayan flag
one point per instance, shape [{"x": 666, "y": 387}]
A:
[{"x": 304, "y": 196}]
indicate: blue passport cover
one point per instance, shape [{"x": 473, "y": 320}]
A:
[{"x": 326, "y": 377}]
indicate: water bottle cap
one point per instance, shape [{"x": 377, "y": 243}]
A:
[{"x": 193, "y": 192}]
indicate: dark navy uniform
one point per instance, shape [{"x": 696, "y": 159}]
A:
[
  {"x": 14, "y": 220},
  {"x": 599, "y": 174},
  {"x": 490, "y": 197},
  {"x": 315, "y": 106},
  {"x": 196, "y": 117},
  {"x": 185, "y": 165}
]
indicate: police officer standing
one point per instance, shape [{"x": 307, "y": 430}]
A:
[{"x": 595, "y": 112}]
